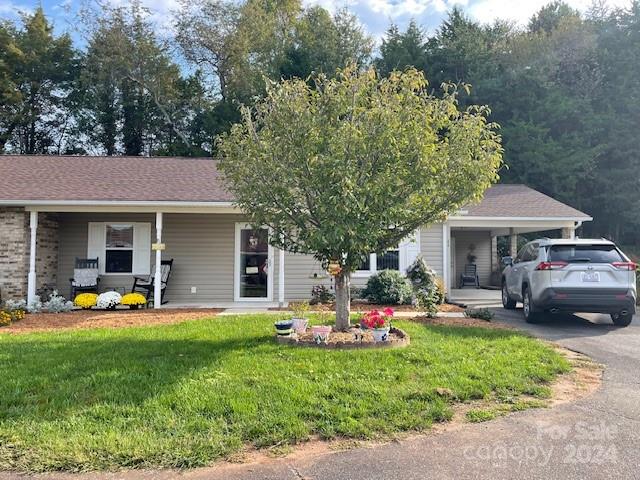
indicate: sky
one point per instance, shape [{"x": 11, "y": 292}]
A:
[{"x": 375, "y": 15}]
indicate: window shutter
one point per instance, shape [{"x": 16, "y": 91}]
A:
[
  {"x": 409, "y": 250},
  {"x": 141, "y": 248},
  {"x": 96, "y": 243}
]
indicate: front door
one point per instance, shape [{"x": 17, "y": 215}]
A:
[{"x": 253, "y": 276}]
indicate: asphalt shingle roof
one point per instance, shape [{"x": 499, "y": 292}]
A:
[
  {"x": 180, "y": 179},
  {"x": 518, "y": 200},
  {"x": 34, "y": 177}
]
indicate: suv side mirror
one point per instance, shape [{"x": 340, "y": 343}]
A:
[{"x": 507, "y": 261}]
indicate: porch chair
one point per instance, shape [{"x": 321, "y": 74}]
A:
[
  {"x": 470, "y": 276},
  {"x": 145, "y": 284},
  {"x": 85, "y": 276}
]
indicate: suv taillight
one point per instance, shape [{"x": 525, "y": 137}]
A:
[
  {"x": 551, "y": 265},
  {"x": 629, "y": 266}
]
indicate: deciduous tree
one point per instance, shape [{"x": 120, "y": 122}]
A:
[{"x": 355, "y": 164}]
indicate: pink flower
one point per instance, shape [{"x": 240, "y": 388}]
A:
[{"x": 388, "y": 312}]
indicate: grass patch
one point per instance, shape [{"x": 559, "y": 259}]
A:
[{"x": 186, "y": 394}]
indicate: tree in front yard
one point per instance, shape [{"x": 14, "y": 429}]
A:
[{"x": 339, "y": 168}]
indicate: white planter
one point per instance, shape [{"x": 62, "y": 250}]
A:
[
  {"x": 321, "y": 333},
  {"x": 380, "y": 334},
  {"x": 300, "y": 325}
]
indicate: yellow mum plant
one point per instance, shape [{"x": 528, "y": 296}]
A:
[
  {"x": 133, "y": 299},
  {"x": 86, "y": 300},
  {"x": 5, "y": 319}
]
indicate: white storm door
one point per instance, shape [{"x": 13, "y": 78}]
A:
[{"x": 253, "y": 264}]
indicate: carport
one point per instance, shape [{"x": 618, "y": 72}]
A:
[{"x": 505, "y": 211}]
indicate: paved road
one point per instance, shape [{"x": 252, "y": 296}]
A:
[{"x": 594, "y": 438}]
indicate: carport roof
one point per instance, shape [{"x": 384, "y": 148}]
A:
[{"x": 519, "y": 201}]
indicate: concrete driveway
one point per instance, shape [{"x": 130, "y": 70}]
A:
[
  {"x": 594, "y": 438},
  {"x": 597, "y": 437}
]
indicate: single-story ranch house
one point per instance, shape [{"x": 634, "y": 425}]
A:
[{"x": 56, "y": 209}]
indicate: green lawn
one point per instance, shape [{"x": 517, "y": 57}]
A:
[{"x": 184, "y": 395}]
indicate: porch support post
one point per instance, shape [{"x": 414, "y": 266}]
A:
[
  {"x": 495, "y": 261},
  {"x": 157, "y": 281},
  {"x": 446, "y": 264},
  {"x": 568, "y": 232},
  {"x": 513, "y": 242},
  {"x": 31, "y": 279},
  {"x": 281, "y": 278}
]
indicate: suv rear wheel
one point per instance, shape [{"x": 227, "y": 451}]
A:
[
  {"x": 621, "y": 320},
  {"x": 507, "y": 302},
  {"x": 530, "y": 315}
]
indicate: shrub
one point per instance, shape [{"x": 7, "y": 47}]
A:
[
  {"x": 35, "y": 306},
  {"x": 133, "y": 299},
  {"x": 13, "y": 305},
  {"x": 57, "y": 303},
  {"x": 421, "y": 275},
  {"x": 86, "y": 300},
  {"x": 441, "y": 291},
  {"x": 299, "y": 309},
  {"x": 425, "y": 301},
  {"x": 388, "y": 287},
  {"x": 481, "y": 313},
  {"x": 108, "y": 300},
  {"x": 321, "y": 294},
  {"x": 16, "y": 315},
  {"x": 5, "y": 318}
]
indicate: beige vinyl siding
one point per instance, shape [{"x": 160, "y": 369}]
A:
[
  {"x": 431, "y": 246},
  {"x": 201, "y": 245},
  {"x": 303, "y": 272},
  {"x": 73, "y": 236},
  {"x": 482, "y": 242}
]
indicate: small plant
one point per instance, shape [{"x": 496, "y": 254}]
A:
[
  {"x": 388, "y": 287},
  {"x": 35, "y": 306},
  {"x": 133, "y": 300},
  {"x": 12, "y": 305},
  {"x": 377, "y": 319},
  {"x": 425, "y": 300},
  {"x": 324, "y": 316},
  {"x": 321, "y": 294},
  {"x": 109, "y": 300},
  {"x": 5, "y": 318},
  {"x": 57, "y": 303},
  {"x": 17, "y": 315},
  {"x": 441, "y": 291},
  {"x": 481, "y": 313},
  {"x": 86, "y": 300},
  {"x": 300, "y": 309}
]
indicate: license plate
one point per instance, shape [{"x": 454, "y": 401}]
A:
[{"x": 590, "y": 277}]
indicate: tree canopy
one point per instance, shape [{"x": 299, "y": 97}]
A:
[{"x": 354, "y": 164}]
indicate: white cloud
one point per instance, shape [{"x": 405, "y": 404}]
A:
[{"x": 9, "y": 8}]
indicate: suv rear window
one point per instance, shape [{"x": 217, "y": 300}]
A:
[{"x": 584, "y": 254}]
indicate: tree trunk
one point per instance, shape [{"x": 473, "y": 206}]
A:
[{"x": 343, "y": 300}]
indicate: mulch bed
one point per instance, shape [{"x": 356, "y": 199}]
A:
[
  {"x": 79, "y": 319},
  {"x": 365, "y": 307},
  {"x": 397, "y": 338},
  {"x": 461, "y": 322}
]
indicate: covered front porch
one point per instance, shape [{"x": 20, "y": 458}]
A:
[{"x": 218, "y": 260}]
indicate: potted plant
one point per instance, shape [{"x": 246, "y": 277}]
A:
[
  {"x": 300, "y": 320},
  {"x": 86, "y": 300},
  {"x": 133, "y": 300},
  {"x": 321, "y": 333},
  {"x": 379, "y": 323},
  {"x": 284, "y": 327},
  {"x": 109, "y": 300}
]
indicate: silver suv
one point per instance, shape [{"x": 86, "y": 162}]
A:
[{"x": 571, "y": 276}]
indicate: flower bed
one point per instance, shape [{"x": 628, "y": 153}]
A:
[{"x": 355, "y": 338}]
